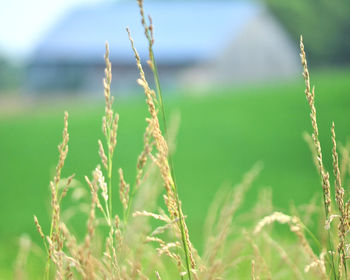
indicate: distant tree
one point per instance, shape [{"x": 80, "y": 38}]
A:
[
  {"x": 324, "y": 24},
  {"x": 10, "y": 75}
]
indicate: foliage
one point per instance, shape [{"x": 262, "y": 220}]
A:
[
  {"x": 325, "y": 24},
  {"x": 10, "y": 75}
]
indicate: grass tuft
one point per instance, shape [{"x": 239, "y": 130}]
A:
[{"x": 143, "y": 239}]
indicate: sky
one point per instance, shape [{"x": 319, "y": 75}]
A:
[{"x": 24, "y": 22}]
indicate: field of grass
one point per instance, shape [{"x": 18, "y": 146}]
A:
[{"x": 221, "y": 136}]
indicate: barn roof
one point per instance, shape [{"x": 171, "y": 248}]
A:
[{"x": 184, "y": 31}]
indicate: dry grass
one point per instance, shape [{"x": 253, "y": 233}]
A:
[
  {"x": 332, "y": 261},
  {"x": 127, "y": 245}
]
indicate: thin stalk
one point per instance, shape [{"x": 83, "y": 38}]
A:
[
  {"x": 48, "y": 263},
  {"x": 310, "y": 96},
  {"x": 171, "y": 165},
  {"x": 109, "y": 170},
  {"x": 158, "y": 89},
  {"x": 131, "y": 198},
  {"x": 110, "y": 124},
  {"x": 110, "y": 183},
  {"x": 127, "y": 213},
  {"x": 331, "y": 255},
  {"x": 345, "y": 267},
  {"x": 320, "y": 246},
  {"x": 149, "y": 35}
]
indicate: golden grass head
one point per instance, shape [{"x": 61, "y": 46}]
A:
[
  {"x": 122, "y": 252},
  {"x": 310, "y": 95}
]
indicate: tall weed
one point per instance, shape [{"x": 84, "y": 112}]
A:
[{"x": 147, "y": 241}]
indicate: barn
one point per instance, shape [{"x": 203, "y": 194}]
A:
[{"x": 197, "y": 43}]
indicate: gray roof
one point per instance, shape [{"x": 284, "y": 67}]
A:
[{"x": 184, "y": 31}]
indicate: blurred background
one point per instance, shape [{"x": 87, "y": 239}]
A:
[{"x": 230, "y": 69}]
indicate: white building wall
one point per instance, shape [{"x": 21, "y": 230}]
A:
[{"x": 261, "y": 52}]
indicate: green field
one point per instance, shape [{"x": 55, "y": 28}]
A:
[{"x": 222, "y": 134}]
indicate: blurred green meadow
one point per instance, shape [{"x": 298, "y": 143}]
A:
[{"x": 222, "y": 133}]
